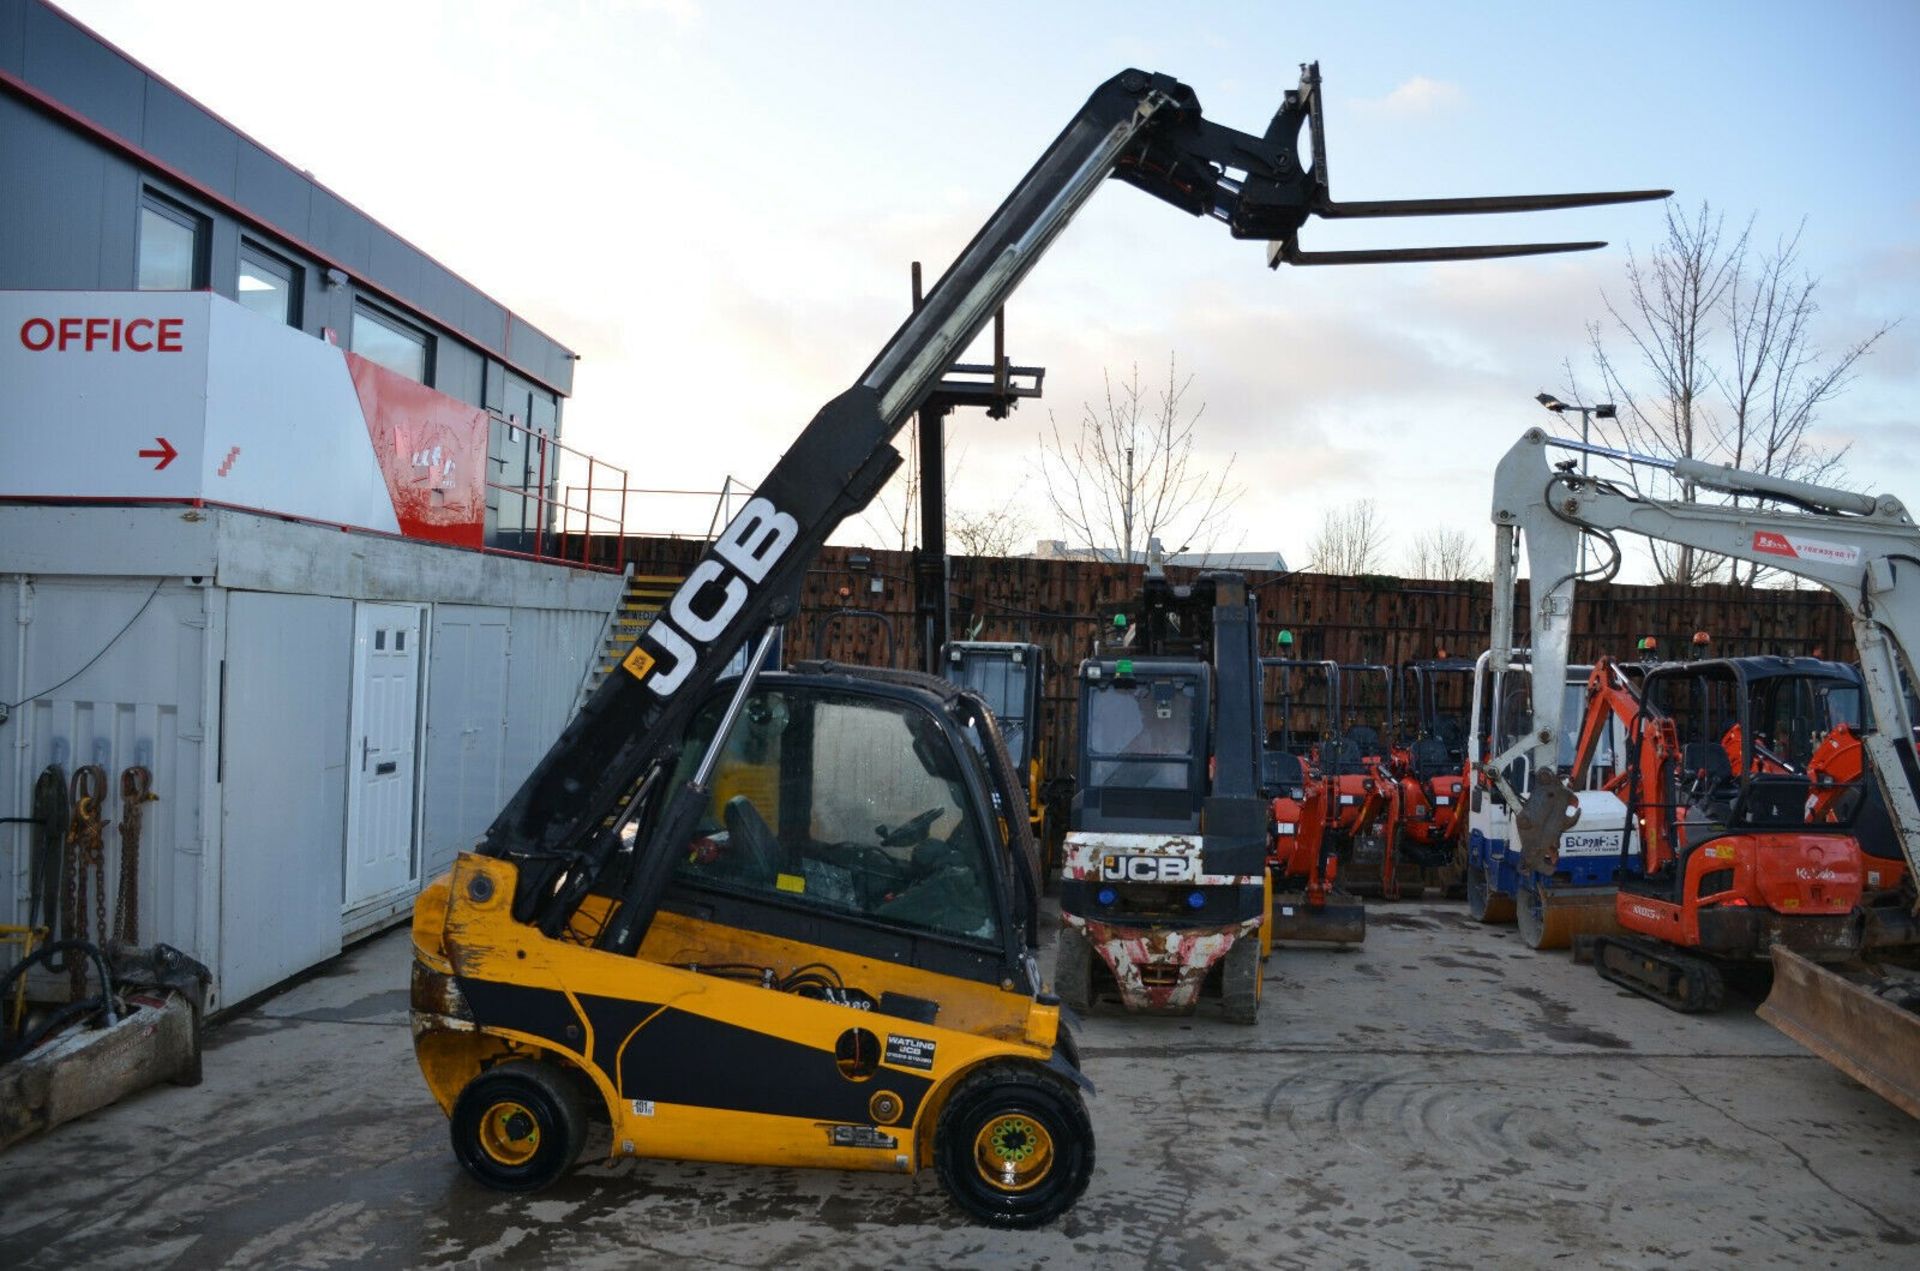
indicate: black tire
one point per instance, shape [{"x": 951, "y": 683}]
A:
[
  {"x": 1482, "y": 904},
  {"x": 1530, "y": 914},
  {"x": 1240, "y": 981},
  {"x": 1014, "y": 1146},
  {"x": 520, "y": 1126},
  {"x": 1073, "y": 969}
]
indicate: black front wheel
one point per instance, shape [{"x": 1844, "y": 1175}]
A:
[
  {"x": 1014, "y": 1146},
  {"x": 518, "y": 1127},
  {"x": 1483, "y": 903}
]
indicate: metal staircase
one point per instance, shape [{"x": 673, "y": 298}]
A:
[{"x": 639, "y": 602}]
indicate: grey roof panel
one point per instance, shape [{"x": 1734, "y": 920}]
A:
[
  {"x": 342, "y": 231},
  {"x": 281, "y": 196},
  {"x": 64, "y": 61},
  {"x": 395, "y": 266},
  {"x": 184, "y": 136},
  {"x": 13, "y": 35}
]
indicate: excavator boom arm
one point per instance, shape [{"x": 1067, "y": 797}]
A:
[{"x": 1864, "y": 549}]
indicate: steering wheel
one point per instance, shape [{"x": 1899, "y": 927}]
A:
[{"x": 912, "y": 832}]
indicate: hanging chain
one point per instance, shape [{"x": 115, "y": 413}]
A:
[
  {"x": 136, "y": 791},
  {"x": 85, "y": 849}
]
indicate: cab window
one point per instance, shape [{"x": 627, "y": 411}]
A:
[
  {"x": 1140, "y": 735},
  {"x": 840, "y": 802}
]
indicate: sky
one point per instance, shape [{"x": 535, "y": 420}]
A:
[{"x": 716, "y": 203}]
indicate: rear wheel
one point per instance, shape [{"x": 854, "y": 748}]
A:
[
  {"x": 1014, "y": 1146},
  {"x": 1073, "y": 969},
  {"x": 518, "y": 1127},
  {"x": 1240, "y": 981}
]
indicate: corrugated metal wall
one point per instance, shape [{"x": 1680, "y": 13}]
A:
[
  {"x": 144, "y": 701},
  {"x": 465, "y": 759},
  {"x": 237, "y": 700},
  {"x": 548, "y": 653},
  {"x": 282, "y": 768}
]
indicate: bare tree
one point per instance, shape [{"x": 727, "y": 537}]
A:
[
  {"x": 1775, "y": 380},
  {"x": 997, "y": 531},
  {"x": 894, "y": 515},
  {"x": 1719, "y": 364},
  {"x": 1350, "y": 540},
  {"x": 1130, "y": 475},
  {"x": 1446, "y": 554}
]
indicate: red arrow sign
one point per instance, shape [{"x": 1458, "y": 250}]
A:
[{"x": 165, "y": 454}]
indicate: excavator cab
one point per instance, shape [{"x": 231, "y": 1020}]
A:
[
  {"x": 1302, "y": 703},
  {"x": 840, "y": 972}
]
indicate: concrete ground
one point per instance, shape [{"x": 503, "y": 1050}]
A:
[{"x": 1440, "y": 1096}]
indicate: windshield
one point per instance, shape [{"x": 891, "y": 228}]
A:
[
  {"x": 841, "y": 802},
  {"x": 1140, "y": 735},
  {"x": 1148, "y": 718}
]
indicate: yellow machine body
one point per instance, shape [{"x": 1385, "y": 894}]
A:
[{"x": 693, "y": 1065}]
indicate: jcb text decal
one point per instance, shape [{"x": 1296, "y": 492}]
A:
[
  {"x": 743, "y": 554},
  {"x": 1150, "y": 869}
]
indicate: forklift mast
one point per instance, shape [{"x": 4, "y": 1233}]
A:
[{"x": 563, "y": 827}]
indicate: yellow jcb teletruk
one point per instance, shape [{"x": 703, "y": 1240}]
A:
[{"x": 791, "y": 918}]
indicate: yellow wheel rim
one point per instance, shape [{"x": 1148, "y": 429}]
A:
[
  {"x": 509, "y": 1134},
  {"x": 1013, "y": 1152}
]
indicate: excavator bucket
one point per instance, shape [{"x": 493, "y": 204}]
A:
[
  {"x": 1304, "y": 105},
  {"x": 1339, "y": 919},
  {"x": 1870, "y": 1038}
]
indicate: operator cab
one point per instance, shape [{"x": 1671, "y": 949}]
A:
[
  {"x": 1009, "y": 676},
  {"x": 1747, "y": 728},
  {"x": 858, "y": 811},
  {"x": 1441, "y": 690},
  {"x": 1301, "y": 702}
]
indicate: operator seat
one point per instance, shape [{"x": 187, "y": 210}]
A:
[
  {"x": 1281, "y": 773},
  {"x": 1430, "y": 757},
  {"x": 1343, "y": 757},
  {"x": 759, "y": 853},
  {"x": 1705, "y": 817}
]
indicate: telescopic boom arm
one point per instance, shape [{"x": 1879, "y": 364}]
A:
[{"x": 1145, "y": 129}]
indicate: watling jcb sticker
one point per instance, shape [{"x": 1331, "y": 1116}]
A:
[{"x": 637, "y": 662}]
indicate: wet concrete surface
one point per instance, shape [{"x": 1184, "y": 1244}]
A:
[{"x": 1440, "y": 1096}]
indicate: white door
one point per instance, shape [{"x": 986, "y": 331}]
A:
[{"x": 382, "y": 736}]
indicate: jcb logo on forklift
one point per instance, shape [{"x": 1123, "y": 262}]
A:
[
  {"x": 741, "y": 557},
  {"x": 1150, "y": 869}
]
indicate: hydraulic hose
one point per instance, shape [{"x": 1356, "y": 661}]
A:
[{"x": 13, "y": 1048}]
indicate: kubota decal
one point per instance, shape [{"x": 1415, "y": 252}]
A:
[{"x": 1800, "y": 547}]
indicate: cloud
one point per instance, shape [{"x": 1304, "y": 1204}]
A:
[{"x": 1420, "y": 95}]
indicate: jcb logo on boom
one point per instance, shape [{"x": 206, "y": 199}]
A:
[
  {"x": 750, "y": 545},
  {"x": 1150, "y": 869}
]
